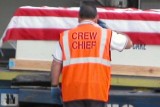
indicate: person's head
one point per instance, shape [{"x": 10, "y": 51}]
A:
[{"x": 88, "y": 11}]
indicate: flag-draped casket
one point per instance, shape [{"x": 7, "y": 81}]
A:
[{"x": 45, "y": 24}]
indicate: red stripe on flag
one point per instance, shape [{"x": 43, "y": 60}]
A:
[
  {"x": 124, "y": 15},
  {"x": 53, "y": 34},
  {"x": 144, "y": 16},
  {"x": 144, "y": 38},
  {"x": 32, "y": 34},
  {"x": 46, "y": 12}
]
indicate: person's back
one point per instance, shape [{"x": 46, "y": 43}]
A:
[
  {"x": 86, "y": 66},
  {"x": 85, "y": 52}
]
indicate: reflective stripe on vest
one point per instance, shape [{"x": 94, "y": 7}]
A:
[
  {"x": 66, "y": 45},
  {"x": 99, "y": 59},
  {"x": 86, "y": 60}
]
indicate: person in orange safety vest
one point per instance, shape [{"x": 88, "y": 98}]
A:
[{"x": 83, "y": 58}]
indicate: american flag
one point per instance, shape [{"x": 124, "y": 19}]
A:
[{"x": 45, "y": 23}]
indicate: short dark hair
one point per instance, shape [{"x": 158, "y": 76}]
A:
[{"x": 87, "y": 10}]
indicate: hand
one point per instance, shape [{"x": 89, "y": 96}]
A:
[
  {"x": 56, "y": 95},
  {"x": 102, "y": 24}
]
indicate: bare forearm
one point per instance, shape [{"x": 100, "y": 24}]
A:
[
  {"x": 55, "y": 72},
  {"x": 129, "y": 43}
]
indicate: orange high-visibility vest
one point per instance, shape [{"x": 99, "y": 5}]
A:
[{"x": 86, "y": 63}]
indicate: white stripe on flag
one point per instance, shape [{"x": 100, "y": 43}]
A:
[
  {"x": 134, "y": 26},
  {"x": 70, "y": 8},
  {"x": 67, "y": 23},
  {"x": 43, "y": 22},
  {"x": 50, "y": 8}
]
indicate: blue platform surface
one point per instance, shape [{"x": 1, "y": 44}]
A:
[
  {"x": 133, "y": 99},
  {"x": 117, "y": 98}
]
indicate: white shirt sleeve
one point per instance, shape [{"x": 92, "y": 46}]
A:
[
  {"x": 57, "y": 55},
  {"x": 118, "y": 41}
]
